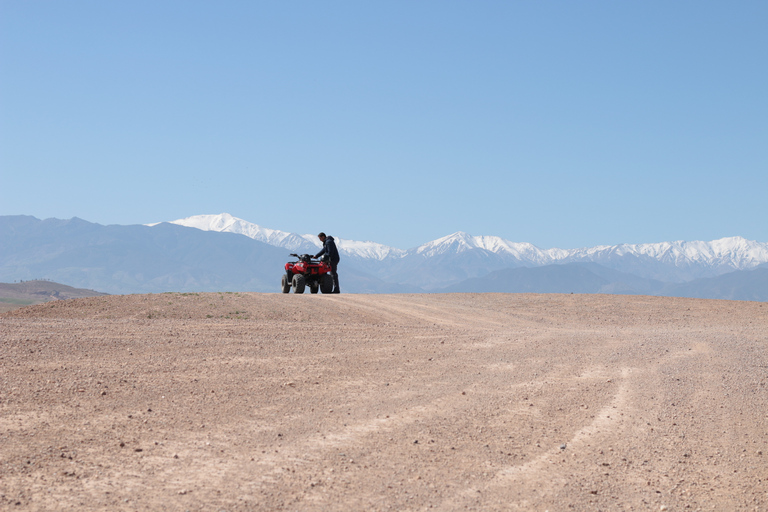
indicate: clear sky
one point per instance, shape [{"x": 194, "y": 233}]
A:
[{"x": 561, "y": 123}]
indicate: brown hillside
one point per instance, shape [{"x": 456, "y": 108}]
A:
[{"x": 384, "y": 402}]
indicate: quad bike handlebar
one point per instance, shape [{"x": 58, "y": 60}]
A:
[
  {"x": 308, "y": 257},
  {"x": 302, "y": 257}
]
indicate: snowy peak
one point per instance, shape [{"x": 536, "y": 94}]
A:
[
  {"x": 461, "y": 242},
  {"x": 225, "y": 222},
  {"x": 738, "y": 249},
  {"x": 291, "y": 241},
  {"x": 367, "y": 250},
  {"x": 734, "y": 252},
  {"x": 456, "y": 243}
]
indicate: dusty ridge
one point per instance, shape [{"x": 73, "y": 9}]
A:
[{"x": 384, "y": 402}]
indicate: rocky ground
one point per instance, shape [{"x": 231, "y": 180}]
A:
[{"x": 225, "y": 401}]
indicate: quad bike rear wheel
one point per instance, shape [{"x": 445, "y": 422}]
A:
[
  {"x": 326, "y": 284},
  {"x": 299, "y": 283},
  {"x": 286, "y": 284}
]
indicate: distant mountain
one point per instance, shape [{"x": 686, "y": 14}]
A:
[
  {"x": 594, "y": 278},
  {"x": 222, "y": 253},
  {"x": 454, "y": 258},
  {"x": 560, "y": 278},
  {"x": 670, "y": 261},
  {"x": 678, "y": 261},
  {"x": 135, "y": 259},
  {"x": 461, "y": 243},
  {"x": 739, "y": 285},
  {"x": 149, "y": 259}
]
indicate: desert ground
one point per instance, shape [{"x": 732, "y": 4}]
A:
[{"x": 240, "y": 401}]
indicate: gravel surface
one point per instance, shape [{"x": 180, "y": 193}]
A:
[{"x": 242, "y": 401}]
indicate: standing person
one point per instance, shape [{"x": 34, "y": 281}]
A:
[{"x": 329, "y": 248}]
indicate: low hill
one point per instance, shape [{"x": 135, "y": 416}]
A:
[{"x": 14, "y": 295}]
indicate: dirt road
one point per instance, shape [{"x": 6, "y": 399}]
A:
[{"x": 225, "y": 401}]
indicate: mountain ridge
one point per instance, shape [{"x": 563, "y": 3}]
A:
[
  {"x": 171, "y": 257},
  {"x": 691, "y": 259}
]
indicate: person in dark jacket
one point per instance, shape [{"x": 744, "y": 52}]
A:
[{"x": 329, "y": 248}]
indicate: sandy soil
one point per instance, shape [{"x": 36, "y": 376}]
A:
[{"x": 384, "y": 402}]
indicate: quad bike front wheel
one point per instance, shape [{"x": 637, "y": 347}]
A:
[{"x": 299, "y": 283}]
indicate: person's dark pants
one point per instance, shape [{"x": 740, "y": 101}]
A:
[{"x": 335, "y": 276}]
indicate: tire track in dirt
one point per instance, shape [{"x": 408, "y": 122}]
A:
[
  {"x": 403, "y": 308},
  {"x": 543, "y": 467}
]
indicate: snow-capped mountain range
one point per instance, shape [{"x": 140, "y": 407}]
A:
[
  {"x": 673, "y": 261},
  {"x": 220, "y": 252}
]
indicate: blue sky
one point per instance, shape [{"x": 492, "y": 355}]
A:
[{"x": 563, "y": 124}]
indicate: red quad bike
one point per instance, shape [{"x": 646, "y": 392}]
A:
[{"x": 305, "y": 272}]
